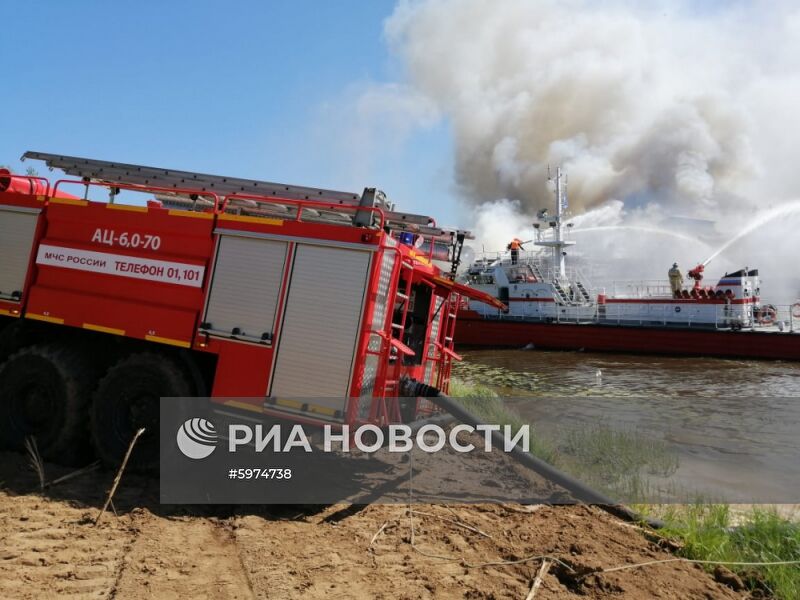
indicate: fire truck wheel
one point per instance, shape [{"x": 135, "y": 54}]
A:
[
  {"x": 126, "y": 399},
  {"x": 44, "y": 392}
]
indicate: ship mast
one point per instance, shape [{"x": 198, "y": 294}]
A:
[{"x": 556, "y": 223}]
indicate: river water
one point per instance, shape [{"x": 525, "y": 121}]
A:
[{"x": 733, "y": 425}]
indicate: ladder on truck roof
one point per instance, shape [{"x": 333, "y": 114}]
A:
[
  {"x": 123, "y": 173},
  {"x": 116, "y": 172}
]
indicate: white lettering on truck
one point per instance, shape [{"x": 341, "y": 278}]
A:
[
  {"x": 137, "y": 241},
  {"x": 124, "y": 266}
]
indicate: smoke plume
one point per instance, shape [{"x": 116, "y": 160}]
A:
[{"x": 655, "y": 112}]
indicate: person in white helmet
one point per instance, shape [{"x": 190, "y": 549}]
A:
[{"x": 675, "y": 279}]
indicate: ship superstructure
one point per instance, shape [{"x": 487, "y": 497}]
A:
[{"x": 542, "y": 288}]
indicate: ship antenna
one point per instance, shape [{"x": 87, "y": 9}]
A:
[{"x": 558, "y": 243}]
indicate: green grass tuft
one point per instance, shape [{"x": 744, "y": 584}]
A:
[
  {"x": 617, "y": 462},
  {"x": 612, "y": 461},
  {"x": 709, "y": 532},
  {"x": 484, "y": 403}
]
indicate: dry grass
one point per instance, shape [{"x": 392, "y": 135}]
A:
[{"x": 35, "y": 460}]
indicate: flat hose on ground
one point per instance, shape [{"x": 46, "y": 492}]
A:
[{"x": 582, "y": 493}]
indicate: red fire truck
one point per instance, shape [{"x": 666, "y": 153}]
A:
[{"x": 290, "y": 302}]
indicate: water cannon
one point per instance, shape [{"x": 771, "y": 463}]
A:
[{"x": 697, "y": 274}]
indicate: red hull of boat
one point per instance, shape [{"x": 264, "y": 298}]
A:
[{"x": 473, "y": 330}]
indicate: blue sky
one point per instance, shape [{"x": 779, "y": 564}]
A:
[{"x": 261, "y": 90}]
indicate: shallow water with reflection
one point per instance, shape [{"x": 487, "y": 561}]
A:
[
  {"x": 734, "y": 424},
  {"x": 542, "y": 373}
]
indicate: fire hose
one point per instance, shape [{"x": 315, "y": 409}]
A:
[{"x": 581, "y": 492}]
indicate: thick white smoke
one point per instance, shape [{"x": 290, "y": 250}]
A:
[{"x": 658, "y": 112}]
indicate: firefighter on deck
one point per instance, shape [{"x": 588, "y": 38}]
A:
[
  {"x": 675, "y": 279},
  {"x": 515, "y": 245}
]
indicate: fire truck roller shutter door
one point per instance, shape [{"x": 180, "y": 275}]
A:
[
  {"x": 17, "y": 227},
  {"x": 321, "y": 324},
  {"x": 245, "y": 289}
]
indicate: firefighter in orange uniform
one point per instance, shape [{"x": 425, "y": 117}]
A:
[{"x": 515, "y": 246}]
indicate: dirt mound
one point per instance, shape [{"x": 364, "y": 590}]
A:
[{"x": 49, "y": 547}]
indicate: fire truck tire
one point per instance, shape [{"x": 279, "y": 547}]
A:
[
  {"x": 126, "y": 399},
  {"x": 44, "y": 394}
]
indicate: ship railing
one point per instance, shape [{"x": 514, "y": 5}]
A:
[
  {"x": 564, "y": 314},
  {"x": 646, "y": 288},
  {"x": 542, "y": 265},
  {"x": 780, "y": 318},
  {"x": 774, "y": 317},
  {"x": 666, "y": 315},
  {"x": 586, "y": 313},
  {"x": 504, "y": 257},
  {"x": 767, "y": 317}
]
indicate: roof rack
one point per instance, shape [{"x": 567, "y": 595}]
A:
[
  {"x": 129, "y": 174},
  {"x": 115, "y": 172}
]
